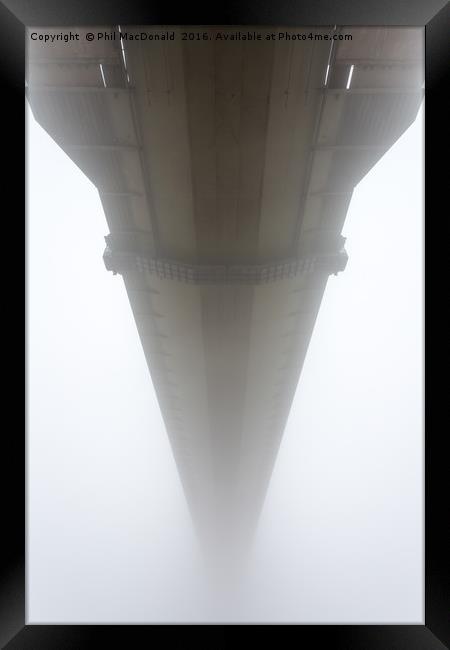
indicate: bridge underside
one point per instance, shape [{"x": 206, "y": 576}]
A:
[{"x": 225, "y": 170}]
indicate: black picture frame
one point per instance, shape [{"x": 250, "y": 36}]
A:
[{"x": 15, "y": 15}]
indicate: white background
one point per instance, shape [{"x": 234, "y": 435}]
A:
[{"x": 109, "y": 537}]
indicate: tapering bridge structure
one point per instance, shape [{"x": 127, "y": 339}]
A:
[{"x": 225, "y": 169}]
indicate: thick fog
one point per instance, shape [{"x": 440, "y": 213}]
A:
[{"x": 109, "y": 537}]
